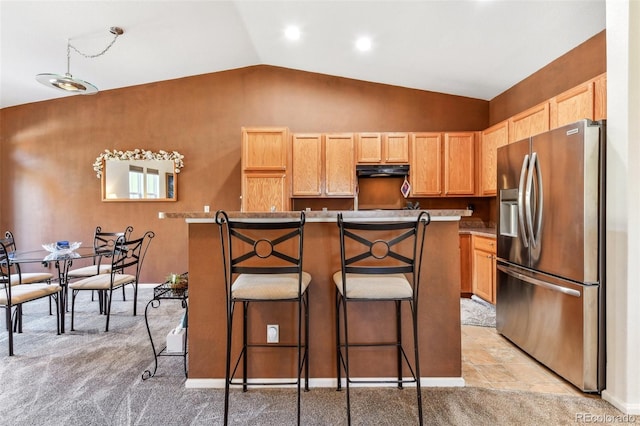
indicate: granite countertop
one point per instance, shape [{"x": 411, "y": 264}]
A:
[{"x": 322, "y": 215}]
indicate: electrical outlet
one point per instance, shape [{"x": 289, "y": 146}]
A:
[{"x": 273, "y": 333}]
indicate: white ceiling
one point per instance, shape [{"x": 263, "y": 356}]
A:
[{"x": 474, "y": 48}]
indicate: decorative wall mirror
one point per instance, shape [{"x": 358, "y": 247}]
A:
[{"x": 139, "y": 175}]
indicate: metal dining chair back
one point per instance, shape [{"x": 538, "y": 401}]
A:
[{"x": 126, "y": 256}]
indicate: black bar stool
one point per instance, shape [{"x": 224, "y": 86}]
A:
[
  {"x": 380, "y": 262},
  {"x": 262, "y": 262}
]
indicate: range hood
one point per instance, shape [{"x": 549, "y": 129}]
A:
[{"x": 382, "y": 170}]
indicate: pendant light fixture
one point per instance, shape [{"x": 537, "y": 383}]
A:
[{"x": 67, "y": 82}]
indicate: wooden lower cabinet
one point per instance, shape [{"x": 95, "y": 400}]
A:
[{"x": 484, "y": 268}]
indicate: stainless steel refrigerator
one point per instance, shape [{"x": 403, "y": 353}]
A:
[{"x": 550, "y": 268}]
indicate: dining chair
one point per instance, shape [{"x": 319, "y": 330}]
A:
[
  {"x": 262, "y": 262},
  {"x": 126, "y": 258},
  {"x": 20, "y": 277},
  {"x": 102, "y": 242},
  {"x": 14, "y": 295},
  {"x": 380, "y": 263}
]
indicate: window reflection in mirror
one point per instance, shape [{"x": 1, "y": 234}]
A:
[{"x": 142, "y": 180}]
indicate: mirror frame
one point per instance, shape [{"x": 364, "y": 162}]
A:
[{"x": 99, "y": 166}]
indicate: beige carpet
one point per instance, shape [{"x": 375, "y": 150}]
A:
[{"x": 89, "y": 377}]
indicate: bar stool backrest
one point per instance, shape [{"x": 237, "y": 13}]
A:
[
  {"x": 381, "y": 248},
  {"x": 261, "y": 247}
]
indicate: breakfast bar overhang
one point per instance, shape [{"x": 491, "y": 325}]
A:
[{"x": 439, "y": 304}]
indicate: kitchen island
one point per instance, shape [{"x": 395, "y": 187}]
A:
[{"x": 439, "y": 304}]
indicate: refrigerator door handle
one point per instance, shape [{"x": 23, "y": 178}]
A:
[
  {"x": 527, "y": 199},
  {"x": 539, "y": 201},
  {"x": 540, "y": 283},
  {"x": 521, "y": 213}
]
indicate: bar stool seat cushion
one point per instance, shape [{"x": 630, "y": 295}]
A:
[
  {"x": 24, "y": 293},
  {"x": 102, "y": 282},
  {"x": 89, "y": 271},
  {"x": 30, "y": 277},
  {"x": 269, "y": 286},
  {"x": 369, "y": 286}
]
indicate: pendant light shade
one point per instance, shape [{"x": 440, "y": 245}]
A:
[{"x": 67, "y": 83}]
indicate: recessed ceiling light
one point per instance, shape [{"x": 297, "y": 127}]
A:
[
  {"x": 363, "y": 44},
  {"x": 292, "y": 32}
]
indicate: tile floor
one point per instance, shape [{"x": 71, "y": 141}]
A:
[{"x": 491, "y": 361}]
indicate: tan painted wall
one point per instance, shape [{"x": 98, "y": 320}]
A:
[
  {"x": 49, "y": 190},
  {"x": 586, "y": 61}
]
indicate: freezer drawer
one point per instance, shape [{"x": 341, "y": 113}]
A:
[{"x": 553, "y": 320}]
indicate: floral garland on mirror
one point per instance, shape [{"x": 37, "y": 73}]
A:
[{"x": 137, "y": 154}]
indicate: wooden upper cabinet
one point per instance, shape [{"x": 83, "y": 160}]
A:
[
  {"x": 382, "y": 148},
  {"x": 459, "y": 163},
  {"x": 600, "y": 97},
  {"x": 323, "y": 165},
  {"x": 529, "y": 122},
  {"x": 425, "y": 170},
  {"x": 396, "y": 148},
  {"x": 339, "y": 161},
  {"x": 306, "y": 168},
  {"x": 491, "y": 139},
  {"x": 369, "y": 148},
  {"x": 572, "y": 105},
  {"x": 265, "y": 148}
]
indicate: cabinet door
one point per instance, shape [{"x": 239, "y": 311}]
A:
[
  {"x": 306, "y": 165},
  {"x": 530, "y": 122},
  {"x": 492, "y": 139},
  {"x": 369, "y": 148},
  {"x": 482, "y": 275},
  {"x": 572, "y": 105},
  {"x": 396, "y": 148},
  {"x": 466, "y": 286},
  {"x": 425, "y": 170},
  {"x": 263, "y": 192},
  {"x": 484, "y": 258},
  {"x": 459, "y": 163},
  {"x": 339, "y": 161},
  {"x": 264, "y": 148},
  {"x": 600, "y": 97}
]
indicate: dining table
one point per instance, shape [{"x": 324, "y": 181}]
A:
[{"x": 62, "y": 260}]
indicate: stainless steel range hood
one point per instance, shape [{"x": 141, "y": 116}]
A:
[{"x": 382, "y": 170}]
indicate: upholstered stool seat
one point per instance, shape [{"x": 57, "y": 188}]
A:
[
  {"x": 363, "y": 286},
  {"x": 268, "y": 287}
]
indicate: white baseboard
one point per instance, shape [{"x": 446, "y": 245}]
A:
[
  {"x": 148, "y": 285},
  {"x": 625, "y": 407},
  {"x": 426, "y": 382}
]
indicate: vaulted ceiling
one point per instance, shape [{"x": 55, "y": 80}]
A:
[{"x": 473, "y": 48}]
